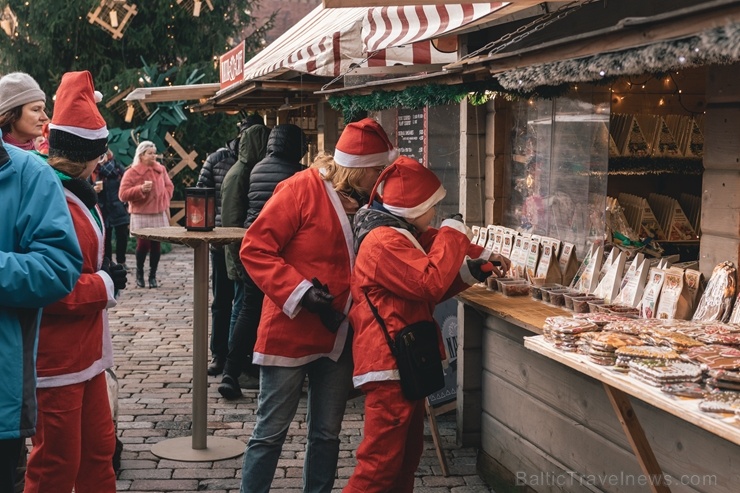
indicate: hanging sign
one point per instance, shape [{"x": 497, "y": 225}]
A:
[
  {"x": 232, "y": 66},
  {"x": 411, "y": 129}
]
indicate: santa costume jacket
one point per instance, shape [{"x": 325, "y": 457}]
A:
[
  {"x": 301, "y": 233},
  {"x": 74, "y": 339},
  {"x": 405, "y": 277}
]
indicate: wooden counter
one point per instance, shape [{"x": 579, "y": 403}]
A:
[
  {"x": 521, "y": 311},
  {"x": 545, "y": 423}
]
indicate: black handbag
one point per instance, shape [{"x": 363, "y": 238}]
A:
[{"x": 416, "y": 350}]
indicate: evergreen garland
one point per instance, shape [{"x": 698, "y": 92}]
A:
[{"x": 414, "y": 97}]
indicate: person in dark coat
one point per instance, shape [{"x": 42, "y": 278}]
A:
[
  {"x": 286, "y": 146},
  {"x": 107, "y": 178},
  {"x": 212, "y": 176}
]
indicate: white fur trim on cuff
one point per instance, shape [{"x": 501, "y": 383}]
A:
[
  {"x": 465, "y": 273},
  {"x": 293, "y": 304},
  {"x": 110, "y": 289},
  {"x": 454, "y": 224}
]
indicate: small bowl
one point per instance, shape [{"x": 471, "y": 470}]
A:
[
  {"x": 568, "y": 298},
  {"x": 500, "y": 281},
  {"x": 581, "y": 303},
  {"x": 546, "y": 291},
  {"x": 557, "y": 296},
  {"x": 535, "y": 292},
  {"x": 491, "y": 284},
  {"x": 597, "y": 306},
  {"x": 516, "y": 288}
]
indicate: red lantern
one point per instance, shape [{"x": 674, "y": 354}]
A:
[{"x": 200, "y": 209}]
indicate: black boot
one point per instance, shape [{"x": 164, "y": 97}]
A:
[
  {"x": 153, "y": 263},
  {"x": 140, "y": 258}
]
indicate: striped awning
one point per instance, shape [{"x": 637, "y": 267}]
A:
[{"x": 327, "y": 42}]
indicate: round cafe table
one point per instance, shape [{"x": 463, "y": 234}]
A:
[{"x": 199, "y": 447}]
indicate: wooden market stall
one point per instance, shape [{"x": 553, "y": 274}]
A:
[{"x": 544, "y": 420}]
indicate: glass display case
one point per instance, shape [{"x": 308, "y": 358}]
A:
[{"x": 556, "y": 176}]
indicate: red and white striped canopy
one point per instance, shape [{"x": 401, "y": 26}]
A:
[{"x": 328, "y": 41}]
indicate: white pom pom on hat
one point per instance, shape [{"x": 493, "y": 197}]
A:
[
  {"x": 364, "y": 144},
  {"x": 408, "y": 189}
]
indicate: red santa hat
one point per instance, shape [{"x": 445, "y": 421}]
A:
[
  {"x": 407, "y": 189},
  {"x": 77, "y": 130},
  {"x": 364, "y": 144}
]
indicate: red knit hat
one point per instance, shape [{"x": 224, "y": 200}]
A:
[
  {"x": 364, "y": 144},
  {"x": 408, "y": 189},
  {"x": 77, "y": 130}
]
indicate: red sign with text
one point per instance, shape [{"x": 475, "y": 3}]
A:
[{"x": 232, "y": 66}]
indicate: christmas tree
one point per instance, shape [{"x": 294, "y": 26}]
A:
[{"x": 52, "y": 37}]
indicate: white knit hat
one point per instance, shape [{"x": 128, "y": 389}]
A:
[{"x": 17, "y": 89}]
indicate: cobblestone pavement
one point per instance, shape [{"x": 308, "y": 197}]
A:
[{"x": 152, "y": 339}]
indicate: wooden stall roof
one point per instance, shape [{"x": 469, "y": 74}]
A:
[
  {"x": 622, "y": 31},
  {"x": 172, "y": 93}
]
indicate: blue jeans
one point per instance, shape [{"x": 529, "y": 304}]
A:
[
  {"x": 329, "y": 384},
  {"x": 223, "y": 298},
  {"x": 236, "y": 307}
]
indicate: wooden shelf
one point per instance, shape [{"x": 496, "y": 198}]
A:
[{"x": 726, "y": 426}]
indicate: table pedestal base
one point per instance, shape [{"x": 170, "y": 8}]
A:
[{"x": 218, "y": 448}]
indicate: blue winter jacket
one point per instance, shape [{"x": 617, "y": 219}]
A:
[{"x": 40, "y": 262}]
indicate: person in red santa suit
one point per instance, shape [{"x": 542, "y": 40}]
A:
[
  {"x": 75, "y": 439},
  {"x": 299, "y": 252},
  {"x": 404, "y": 267}
]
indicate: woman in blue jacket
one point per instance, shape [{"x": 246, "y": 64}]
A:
[{"x": 40, "y": 262}]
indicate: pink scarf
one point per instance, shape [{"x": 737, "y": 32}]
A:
[{"x": 26, "y": 146}]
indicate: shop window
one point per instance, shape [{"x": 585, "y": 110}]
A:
[{"x": 557, "y": 173}]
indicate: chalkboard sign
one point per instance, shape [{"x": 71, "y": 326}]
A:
[{"x": 411, "y": 133}]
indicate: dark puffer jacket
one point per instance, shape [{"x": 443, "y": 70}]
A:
[
  {"x": 114, "y": 211},
  {"x": 214, "y": 170},
  {"x": 285, "y": 149}
]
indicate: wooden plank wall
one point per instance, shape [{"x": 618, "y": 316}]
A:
[
  {"x": 555, "y": 427},
  {"x": 472, "y": 162},
  {"x": 720, "y": 208}
]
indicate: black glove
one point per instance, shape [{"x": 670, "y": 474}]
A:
[
  {"x": 456, "y": 216},
  {"x": 475, "y": 267},
  {"x": 117, "y": 273},
  {"x": 331, "y": 318},
  {"x": 316, "y": 299}
]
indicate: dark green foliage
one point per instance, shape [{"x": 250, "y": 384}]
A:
[{"x": 163, "y": 38}]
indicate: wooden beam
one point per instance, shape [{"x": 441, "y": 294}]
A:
[
  {"x": 589, "y": 44},
  {"x": 636, "y": 436}
]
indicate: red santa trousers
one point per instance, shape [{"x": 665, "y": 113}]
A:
[
  {"x": 74, "y": 441},
  {"x": 390, "y": 452}
]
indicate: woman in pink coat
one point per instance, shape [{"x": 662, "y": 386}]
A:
[
  {"x": 404, "y": 268},
  {"x": 147, "y": 188}
]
